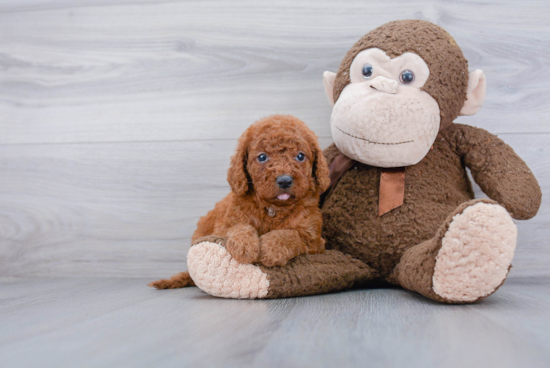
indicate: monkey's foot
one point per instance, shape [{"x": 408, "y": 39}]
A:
[
  {"x": 215, "y": 272},
  {"x": 475, "y": 254}
]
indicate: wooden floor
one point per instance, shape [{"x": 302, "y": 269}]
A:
[{"x": 122, "y": 323}]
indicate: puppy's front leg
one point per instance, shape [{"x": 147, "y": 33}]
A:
[
  {"x": 243, "y": 243},
  {"x": 277, "y": 247}
]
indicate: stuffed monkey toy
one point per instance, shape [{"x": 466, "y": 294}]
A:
[{"x": 400, "y": 209}]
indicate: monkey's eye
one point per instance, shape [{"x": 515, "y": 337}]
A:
[
  {"x": 367, "y": 71},
  {"x": 300, "y": 157},
  {"x": 406, "y": 77},
  {"x": 262, "y": 157}
]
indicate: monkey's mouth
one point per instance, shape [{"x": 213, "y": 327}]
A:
[{"x": 369, "y": 141}]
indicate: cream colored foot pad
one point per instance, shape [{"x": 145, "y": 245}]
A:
[
  {"x": 215, "y": 272},
  {"x": 476, "y": 253}
]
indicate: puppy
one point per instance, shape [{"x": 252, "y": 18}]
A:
[{"x": 272, "y": 213}]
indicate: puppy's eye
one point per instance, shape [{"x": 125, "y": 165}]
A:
[
  {"x": 406, "y": 77},
  {"x": 300, "y": 157},
  {"x": 262, "y": 157},
  {"x": 367, "y": 71}
]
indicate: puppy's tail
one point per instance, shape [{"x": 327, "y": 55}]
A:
[{"x": 179, "y": 280}]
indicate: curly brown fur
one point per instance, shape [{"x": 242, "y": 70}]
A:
[
  {"x": 179, "y": 280},
  {"x": 261, "y": 228}
]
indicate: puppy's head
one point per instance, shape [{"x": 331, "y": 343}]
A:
[{"x": 278, "y": 158}]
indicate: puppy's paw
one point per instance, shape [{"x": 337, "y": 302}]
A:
[
  {"x": 244, "y": 246},
  {"x": 273, "y": 252}
]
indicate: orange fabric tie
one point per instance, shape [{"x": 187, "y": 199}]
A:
[
  {"x": 392, "y": 183},
  {"x": 392, "y": 189}
]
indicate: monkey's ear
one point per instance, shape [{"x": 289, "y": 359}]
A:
[
  {"x": 237, "y": 176},
  {"x": 475, "y": 94},
  {"x": 328, "y": 81}
]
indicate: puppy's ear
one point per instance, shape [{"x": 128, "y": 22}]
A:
[
  {"x": 237, "y": 176},
  {"x": 320, "y": 168}
]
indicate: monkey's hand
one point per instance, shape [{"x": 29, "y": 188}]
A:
[{"x": 498, "y": 170}]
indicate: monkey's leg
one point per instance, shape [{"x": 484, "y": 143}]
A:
[
  {"x": 216, "y": 273},
  {"x": 467, "y": 260}
]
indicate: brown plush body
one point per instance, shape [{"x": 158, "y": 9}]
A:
[
  {"x": 259, "y": 226},
  {"x": 434, "y": 188},
  {"x": 395, "y": 96}
]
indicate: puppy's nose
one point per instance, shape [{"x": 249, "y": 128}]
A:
[{"x": 284, "y": 181}]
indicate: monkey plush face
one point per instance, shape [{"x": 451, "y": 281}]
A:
[
  {"x": 397, "y": 87},
  {"x": 382, "y": 117}
]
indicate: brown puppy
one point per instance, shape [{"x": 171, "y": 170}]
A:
[{"x": 271, "y": 215}]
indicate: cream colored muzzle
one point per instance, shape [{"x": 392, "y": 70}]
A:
[{"x": 383, "y": 84}]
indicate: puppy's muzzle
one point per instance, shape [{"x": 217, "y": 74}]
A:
[{"x": 284, "y": 181}]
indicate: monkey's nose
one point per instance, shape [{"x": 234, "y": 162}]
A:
[
  {"x": 383, "y": 84},
  {"x": 284, "y": 181}
]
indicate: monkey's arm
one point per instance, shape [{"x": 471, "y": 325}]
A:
[
  {"x": 498, "y": 170},
  {"x": 331, "y": 152}
]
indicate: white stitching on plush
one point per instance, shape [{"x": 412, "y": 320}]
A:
[
  {"x": 215, "y": 272},
  {"x": 476, "y": 253}
]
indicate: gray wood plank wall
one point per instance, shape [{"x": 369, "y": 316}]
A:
[{"x": 117, "y": 118}]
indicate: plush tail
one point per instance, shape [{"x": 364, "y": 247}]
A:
[{"x": 179, "y": 280}]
